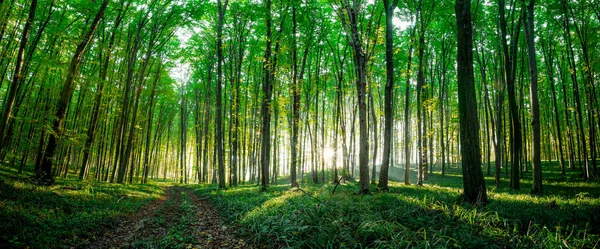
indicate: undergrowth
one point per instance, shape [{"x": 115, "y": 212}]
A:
[
  {"x": 429, "y": 216},
  {"x": 66, "y": 214}
]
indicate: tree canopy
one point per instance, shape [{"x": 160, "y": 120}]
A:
[{"x": 244, "y": 91}]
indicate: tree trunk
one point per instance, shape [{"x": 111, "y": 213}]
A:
[
  {"x": 509, "y": 72},
  {"x": 96, "y": 109},
  {"x": 576, "y": 95},
  {"x": 45, "y": 174},
  {"x": 389, "y": 92},
  {"x": 17, "y": 75},
  {"x": 420, "y": 87},
  {"x": 222, "y": 7},
  {"x": 295, "y": 100},
  {"x": 266, "y": 104},
  {"x": 535, "y": 106},
  {"x": 407, "y": 143},
  {"x": 473, "y": 181}
]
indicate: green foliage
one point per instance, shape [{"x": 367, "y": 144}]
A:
[
  {"x": 66, "y": 214},
  {"x": 178, "y": 233},
  {"x": 412, "y": 216}
]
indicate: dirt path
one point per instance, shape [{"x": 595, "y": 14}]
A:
[{"x": 178, "y": 219}]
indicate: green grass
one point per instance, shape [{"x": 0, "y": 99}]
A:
[
  {"x": 567, "y": 215},
  {"x": 71, "y": 212},
  {"x": 56, "y": 216},
  {"x": 179, "y": 229}
]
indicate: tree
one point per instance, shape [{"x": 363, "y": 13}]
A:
[
  {"x": 17, "y": 74},
  {"x": 407, "y": 112},
  {"x": 222, "y": 7},
  {"x": 45, "y": 176},
  {"x": 389, "y": 91},
  {"x": 103, "y": 77},
  {"x": 509, "y": 70},
  {"x": 350, "y": 13},
  {"x": 473, "y": 181},
  {"x": 548, "y": 53},
  {"x": 535, "y": 106},
  {"x": 266, "y": 107}
]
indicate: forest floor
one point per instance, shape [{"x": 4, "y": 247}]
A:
[
  {"x": 179, "y": 217},
  {"x": 566, "y": 215},
  {"x": 92, "y": 214},
  {"x": 89, "y": 214}
]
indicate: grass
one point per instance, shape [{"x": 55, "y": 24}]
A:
[
  {"x": 72, "y": 212},
  {"x": 65, "y": 214},
  {"x": 430, "y": 216},
  {"x": 178, "y": 233}
]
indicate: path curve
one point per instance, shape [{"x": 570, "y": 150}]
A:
[{"x": 179, "y": 218}]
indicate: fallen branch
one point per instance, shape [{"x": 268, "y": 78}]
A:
[
  {"x": 73, "y": 188},
  {"x": 317, "y": 199},
  {"x": 336, "y": 185}
]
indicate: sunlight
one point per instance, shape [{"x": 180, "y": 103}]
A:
[
  {"x": 328, "y": 153},
  {"x": 401, "y": 21}
]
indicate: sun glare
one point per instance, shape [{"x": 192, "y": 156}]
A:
[{"x": 328, "y": 153}]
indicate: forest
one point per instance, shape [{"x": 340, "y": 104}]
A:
[{"x": 299, "y": 124}]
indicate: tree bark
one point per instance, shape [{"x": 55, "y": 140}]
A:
[
  {"x": 360, "y": 66},
  {"x": 509, "y": 72},
  {"x": 266, "y": 104},
  {"x": 473, "y": 181},
  {"x": 222, "y": 7},
  {"x": 389, "y": 92},
  {"x": 535, "y": 106},
  {"x": 17, "y": 74},
  {"x": 407, "y": 138},
  {"x": 98, "y": 100},
  {"x": 45, "y": 175}
]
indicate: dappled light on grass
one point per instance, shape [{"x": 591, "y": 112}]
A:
[
  {"x": 66, "y": 213},
  {"x": 272, "y": 204},
  {"x": 432, "y": 215}
]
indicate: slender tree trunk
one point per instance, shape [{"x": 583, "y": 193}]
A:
[
  {"x": 45, "y": 173},
  {"x": 509, "y": 72},
  {"x": 375, "y": 135},
  {"x": 266, "y": 104},
  {"x": 146, "y": 163},
  {"x": 183, "y": 138},
  {"x": 576, "y": 95},
  {"x": 535, "y": 106},
  {"x": 295, "y": 99},
  {"x": 407, "y": 142},
  {"x": 592, "y": 102},
  {"x": 222, "y": 7},
  {"x": 96, "y": 109},
  {"x": 443, "y": 93},
  {"x": 420, "y": 87},
  {"x": 389, "y": 92},
  {"x": 549, "y": 59},
  {"x": 17, "y": 75},
  {"x": 473, "y": 181}
]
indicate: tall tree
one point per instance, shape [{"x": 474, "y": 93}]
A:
[
  {"x": 548, "y": 52},
  {"x": 222, "y": 7},
  {"x": 17, "y": 74},
  {"x": 535, "y": 106},
  {"x": 407, "y": 111},
  {"x": 351, "y": 12},
  {"x": 44, "y": 175},
  {"x": 295, "y": 96},
  {"x": 389, "y": 92},
  {"x": 266, "y": 107},
  {"x": 473, "y": 181},
  {"x": 510, "y": 69},
  {"x": 98, "y": 100}
]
